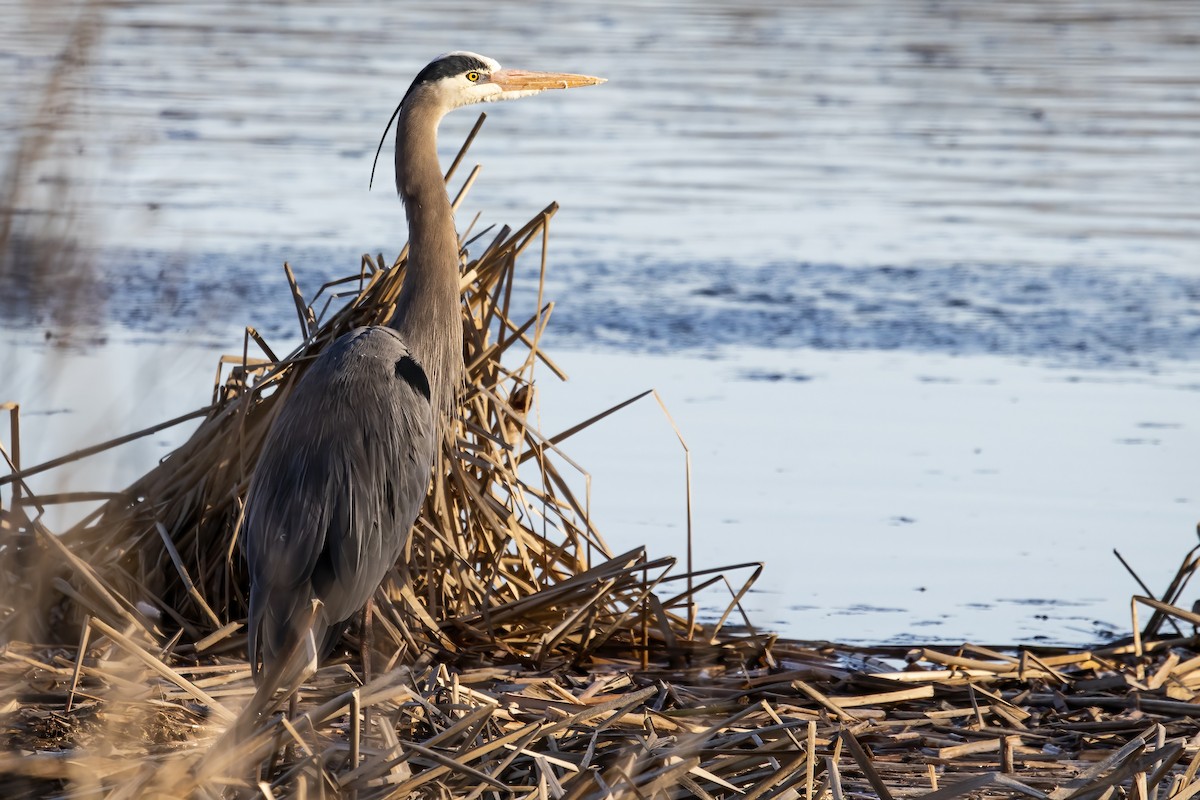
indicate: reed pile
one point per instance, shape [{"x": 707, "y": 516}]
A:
[
  {"x": 113, "y": 719},
  {"x": 517, "y": 656}
]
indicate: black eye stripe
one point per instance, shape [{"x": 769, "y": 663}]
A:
[{"x": 449, "y": 66}]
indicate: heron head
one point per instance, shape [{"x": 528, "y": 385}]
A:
[{"x": 462, "y": 78}]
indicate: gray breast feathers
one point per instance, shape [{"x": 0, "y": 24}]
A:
[{"x": 340, "y": 480}]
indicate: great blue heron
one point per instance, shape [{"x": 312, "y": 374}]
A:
[{"x": 347, "y": 461}]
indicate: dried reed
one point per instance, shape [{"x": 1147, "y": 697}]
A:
[
  {"x": 502, "y": 556},
  {"x": 520, "y": 656}
]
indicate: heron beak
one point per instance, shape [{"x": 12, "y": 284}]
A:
[{"x": 519, "y": 80}]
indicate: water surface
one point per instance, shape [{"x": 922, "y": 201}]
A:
[
  {"x": 851, "y": 132},
  {"x": 986, "y": 192}
]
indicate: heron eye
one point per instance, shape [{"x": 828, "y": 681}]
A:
[{"x": 472, "y": 76}]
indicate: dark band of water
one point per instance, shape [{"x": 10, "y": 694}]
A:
[{"x": 1070, "y": 315}]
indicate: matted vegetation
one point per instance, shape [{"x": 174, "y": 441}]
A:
[{"x": 515, "y": 655}]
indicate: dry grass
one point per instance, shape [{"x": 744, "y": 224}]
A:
[
  {"x": 515, "y": 656},
  {"x": 503, "y": 554}
]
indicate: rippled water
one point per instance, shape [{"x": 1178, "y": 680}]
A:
[
  {"x": 949, "y": 178},
  {"x": 733, "y": 141},
  {"x": 851, "y": 132}
]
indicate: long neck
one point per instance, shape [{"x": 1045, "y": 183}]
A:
[{"x": 428, "y": 314}]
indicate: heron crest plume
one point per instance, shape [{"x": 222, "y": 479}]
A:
[{"x": 462, "y": 78}]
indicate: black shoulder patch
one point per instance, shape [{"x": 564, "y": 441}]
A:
[{"x": 409, "y": 371}]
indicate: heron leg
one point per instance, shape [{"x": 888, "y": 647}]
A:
[{"x": 366, "y": 641}]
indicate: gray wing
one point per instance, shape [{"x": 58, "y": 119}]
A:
[{"x": 340, "y": 480}]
